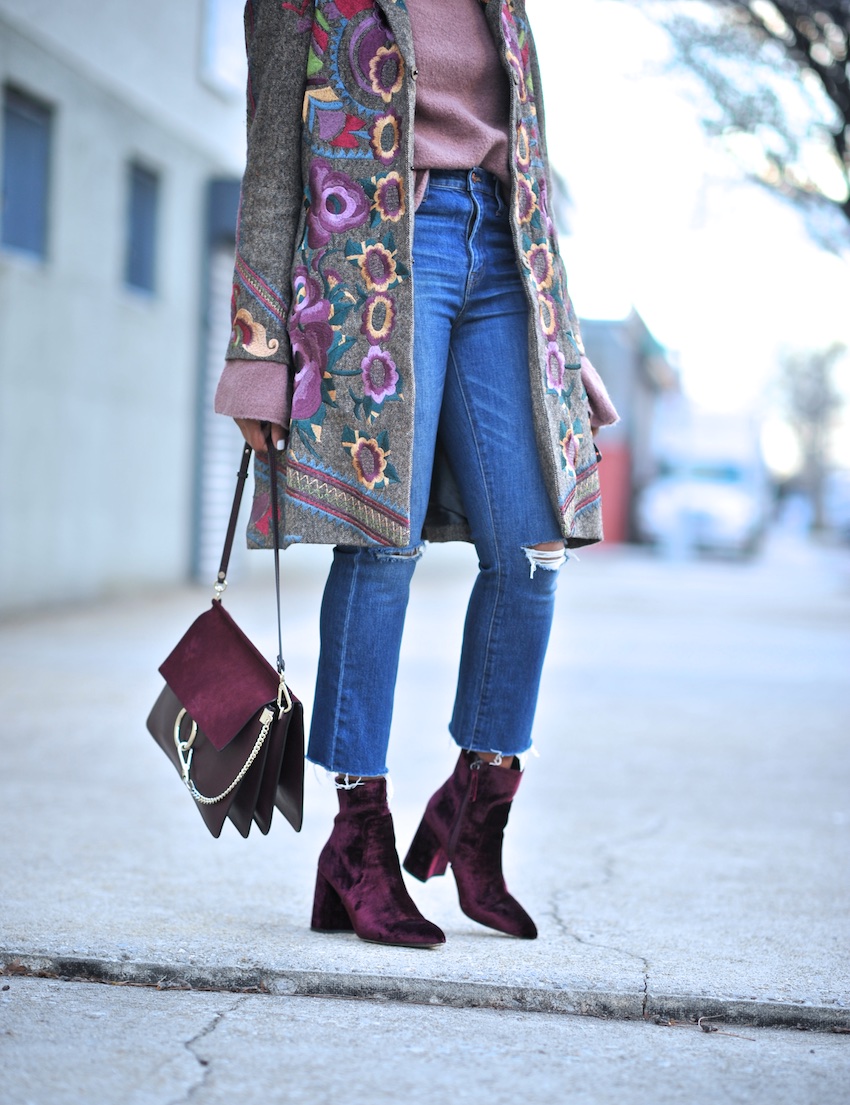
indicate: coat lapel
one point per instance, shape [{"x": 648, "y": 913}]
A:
[
  {"x": 396, "y": 15},
  {"x": 492, "y": 11}
]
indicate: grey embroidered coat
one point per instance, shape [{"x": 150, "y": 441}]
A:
[{"x": 323, "y": 286}]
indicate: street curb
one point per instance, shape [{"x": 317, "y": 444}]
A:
[{"x": 662, "y": 1009}]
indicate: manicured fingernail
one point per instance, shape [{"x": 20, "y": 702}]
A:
[{"x": 280, "y": 444}]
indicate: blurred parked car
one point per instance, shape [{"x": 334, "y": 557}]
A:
[
  {"x": 837, "y": 502},
  {"x": 711, "y": 505}
]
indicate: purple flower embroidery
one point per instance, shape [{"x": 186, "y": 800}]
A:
[
  {"x": 308, "y": 306},
  {"x": 555, "y": 364},
  {"x": 569, "y": 448},
  {"x": 380, "y": 375},
  {"x": 311, "y": 336},
  {"x": 338, "y": 204},
  {"x": 540, "y": 263},
  {"x": 310, "y": 350},
  {"x": 507, "y": 21},
  {"x": 526, "y": 201},
  {"x": 543, "y": 204},
  {"x": 377, "y": 266}
]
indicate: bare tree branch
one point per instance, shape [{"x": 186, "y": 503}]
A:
[{"x": 777, "y": 71}]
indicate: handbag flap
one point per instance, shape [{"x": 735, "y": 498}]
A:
[{"x": 219, "y": 676}]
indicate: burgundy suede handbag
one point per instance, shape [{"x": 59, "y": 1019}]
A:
[{"x": 226, "y": 719}]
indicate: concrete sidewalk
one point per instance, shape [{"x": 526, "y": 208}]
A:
[{"x": 682, "y": 841}]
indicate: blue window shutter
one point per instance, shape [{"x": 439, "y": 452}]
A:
[
  {"x": 26, "y": 171},
  {"x": 142, "y": 218}
]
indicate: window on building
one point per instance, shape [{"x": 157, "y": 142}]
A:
[
  {"x": 142, "y": 217},
  {"x": 26, "y": 172}
]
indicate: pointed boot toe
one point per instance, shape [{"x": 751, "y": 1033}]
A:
[
  {"x": 464, "y": 826},
  {"x": 359, "y": 884}
]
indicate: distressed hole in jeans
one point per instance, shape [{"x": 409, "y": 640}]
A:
[
  {"x": 549, "y": 559},
  {"x": 413, "y": 553}
]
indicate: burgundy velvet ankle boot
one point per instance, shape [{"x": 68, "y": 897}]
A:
[
  {"x": 359, "y": 885},
  {"x": 464, "y": 825}
]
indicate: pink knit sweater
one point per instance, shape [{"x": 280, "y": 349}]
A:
[{"x": 463, "y": 98}]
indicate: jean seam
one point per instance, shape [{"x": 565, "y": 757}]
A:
[
  {"x": 476, "y": 217},
  {"x": 484, "y": 681},
  {"x": 343, "y": 658}
]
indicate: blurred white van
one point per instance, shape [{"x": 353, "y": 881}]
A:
[{"x": 711, "y": 491}]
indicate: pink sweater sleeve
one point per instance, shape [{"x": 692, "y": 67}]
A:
[
  {"x": 602, "y": 410},
  {"x": 255, "y": 389}
]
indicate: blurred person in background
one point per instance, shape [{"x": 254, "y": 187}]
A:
[{"x": 404, "y": 341}]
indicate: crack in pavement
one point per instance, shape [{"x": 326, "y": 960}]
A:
[
  {"x": 205, "y": 1064},
  {"x": 555, "y": 913},
  {"x": 607, "y": 863},
  {"x": 603, "y": 856}
]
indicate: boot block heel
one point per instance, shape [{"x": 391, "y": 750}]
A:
[
  {"x": 329, "y": 914},
  {"x": 426, "y": 856}
]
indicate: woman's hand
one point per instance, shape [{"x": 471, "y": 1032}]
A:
[{"x": 254, "y": 433}]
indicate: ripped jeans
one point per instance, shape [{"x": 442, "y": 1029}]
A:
[{"x": 472, "y": 387}]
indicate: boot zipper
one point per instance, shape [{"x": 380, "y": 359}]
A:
[{"x": 470, "y": 796}]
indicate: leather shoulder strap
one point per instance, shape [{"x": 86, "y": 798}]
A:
[{"x": 241, "y": 477}]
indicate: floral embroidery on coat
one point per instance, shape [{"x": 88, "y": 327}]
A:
[
  {"x": 347, "y": 310},
  {"x": 341, "y": 272}
]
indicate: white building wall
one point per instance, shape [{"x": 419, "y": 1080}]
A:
[
  {"x": 154, "y": 56},
  {"x": 98, "y": 382}
]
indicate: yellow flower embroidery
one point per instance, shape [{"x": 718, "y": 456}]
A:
[
  {"x": 547, "y": 312},
  {"x": 526, "y": 200},
  {"x": 377, "y": 267},
  {"x": 386, "y": 72},
  {"x": 369, "y": 461}
]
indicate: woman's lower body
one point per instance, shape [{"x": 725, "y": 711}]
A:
[{"x": 473, "y": 393}]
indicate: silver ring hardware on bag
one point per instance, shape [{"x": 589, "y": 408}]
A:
[
  {"x": 184, "y": 747},
  {"x": 283, "y": 693}
]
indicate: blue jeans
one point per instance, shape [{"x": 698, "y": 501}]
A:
[{"x": 472, "y": 387}]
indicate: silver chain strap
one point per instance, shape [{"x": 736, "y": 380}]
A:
[{"x": 185, "y": 750}]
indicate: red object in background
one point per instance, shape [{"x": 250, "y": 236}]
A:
[{"x": 615, "y": 471}]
